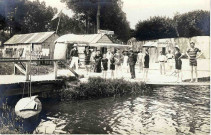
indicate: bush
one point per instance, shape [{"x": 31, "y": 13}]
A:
[{"x": 98, "y": 87}]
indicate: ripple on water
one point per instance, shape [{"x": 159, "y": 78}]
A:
[{"x": 170, "y": 110}]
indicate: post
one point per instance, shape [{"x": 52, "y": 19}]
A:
[
  {"x": 27, "y": 71},
  {"x": 14, "y": 69},
  {"x": 55, "y": 68}
]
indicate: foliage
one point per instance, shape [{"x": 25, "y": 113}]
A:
[
  {"x": 155, "y": 28},
  {"x": 111, "y": 16},
  {"x": 24, "y": 16},
  {"x": 195, "y": 23},
  {"x": 8, "y": 120},
  {"x": 98, "y": 87}
]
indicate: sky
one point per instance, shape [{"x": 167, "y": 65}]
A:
[{"x": 139, "y": 10}]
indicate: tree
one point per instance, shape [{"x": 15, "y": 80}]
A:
[
  {"x": 195, "y": 23},
  {"x": 155, "y": 28},
  {"x": 67, "y": 25},
  {"x": 111, "y": 16}
]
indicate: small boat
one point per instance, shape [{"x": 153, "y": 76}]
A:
[{"x": 29, "y": 106}]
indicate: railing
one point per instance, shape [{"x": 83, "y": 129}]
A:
[{"x": 27, "y": 69}]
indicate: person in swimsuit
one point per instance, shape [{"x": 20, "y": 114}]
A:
[
  {"x": 125, "y": 65},
  {"x": 162, "y": 60},
  {"x": 87, "y": 54},
  {"x": 170, "y": 60},
  {"x": 105, "y": 65},
  {"x": 146, "y": 64},
  {"x": 192, "y": 55},
  {"x": 178, "y": 64},
  {"x": 140, "y": 61},
  {"x": 132, "y": 62},
  {"x": 112, "y": 65},
  {"x": 118, "y": 62},
  {"x": 98, "y": 62}
]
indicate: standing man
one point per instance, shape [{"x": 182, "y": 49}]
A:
[
  {"x": 74, "y": 56},
  {"x": 132, "y": 61},
  {"x": 192, "y": 55}
]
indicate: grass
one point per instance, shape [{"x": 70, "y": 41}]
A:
[
  {"x": 8, "y": 69},
  {"x": 8, "y": 120},
  {"x": 99, "y": 87}
]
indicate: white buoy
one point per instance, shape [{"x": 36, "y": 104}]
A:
[{"x": 28, "y": 107}]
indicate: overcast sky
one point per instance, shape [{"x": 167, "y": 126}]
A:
[{"x": 137, "y": 10}]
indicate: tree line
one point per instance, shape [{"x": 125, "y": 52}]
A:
[
  {"x": 195, "y": 23},
  {"x": 24, "y": 16}
]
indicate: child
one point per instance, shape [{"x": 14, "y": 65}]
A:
[
  {"x": 105, "y": 65},
  {"x": 162, "y": 60}
]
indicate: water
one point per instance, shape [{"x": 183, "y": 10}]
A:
[{"x": 168, "y": 110}]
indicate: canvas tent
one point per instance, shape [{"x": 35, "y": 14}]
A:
[
  {"x": 100, "y": 41},
  {"x": 157, "y": 46}
]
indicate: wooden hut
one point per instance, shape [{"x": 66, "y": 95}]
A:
[{"x": 19, "y": 45}]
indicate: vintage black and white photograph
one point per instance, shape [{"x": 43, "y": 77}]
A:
[{"x": 105, "y": 67}]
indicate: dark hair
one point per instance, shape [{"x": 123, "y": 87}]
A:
[
  {"x": 192, "y": 43},
  {"x": 177, "y": 49}
]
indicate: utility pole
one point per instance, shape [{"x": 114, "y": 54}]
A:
[{"x": 98, "y": 15}]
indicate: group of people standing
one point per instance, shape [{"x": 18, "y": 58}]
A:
[
  {"x": 117, "y": 62},
  {"x": 120, "y": 62},
  {"x": 177, "y": 55}
]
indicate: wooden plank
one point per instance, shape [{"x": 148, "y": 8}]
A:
[
  {"x": 27, "y": 60},
  {"x": 55, "y": 68},
  {"x": 76, "y": 75},
  {"x": 20, "y": 69},
  {"x": 27, "y": 71}
]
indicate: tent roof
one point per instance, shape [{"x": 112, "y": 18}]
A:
[
  {"x": 80, "y": 39},
  {"x": 150, "y": 44},
  {"x": 109, "y": 45},
  {"x": 39, "y": 37}
]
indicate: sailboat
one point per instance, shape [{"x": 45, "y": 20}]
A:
[{"x": 29, "y": 106}]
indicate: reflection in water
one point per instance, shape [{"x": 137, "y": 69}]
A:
[{"x": 169, "y": 110}]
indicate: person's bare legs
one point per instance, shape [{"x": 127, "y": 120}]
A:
[
  {"x": 195, "y": 68},
  {"x": 177, "y": 75},
  {"x": 191, "y": 73},
  {"x": 146, "y": 74},
  {"x": 112, "y": 74},
  {"x": 161, "y": 68},
  {"x": 181, "y": 75},
  {"x": 164, "y": 70}
]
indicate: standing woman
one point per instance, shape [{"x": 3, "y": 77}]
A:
[
  {"x": 178, "y": 63},
  {"x": 112, "y": 65},
  {"x": 146, "y": 64},
  {"x": 98, "y": 59},
  {"x": 87, "y": 53},
  {"x": 94, "y": 52},
  {"x": 125, "y": 65}
]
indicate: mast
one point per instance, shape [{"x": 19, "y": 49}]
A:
[{"x": 30, "y": 88}]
